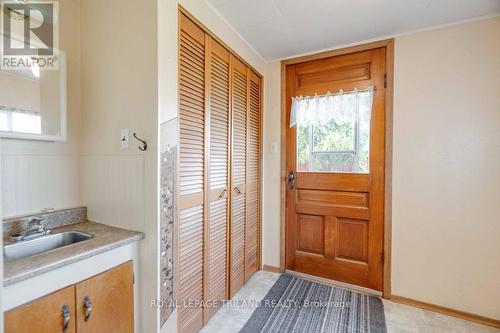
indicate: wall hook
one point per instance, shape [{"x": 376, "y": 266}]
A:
[{"x": 144, "y": 143}]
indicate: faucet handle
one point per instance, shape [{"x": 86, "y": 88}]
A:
[{"x": 37, "y": 221}]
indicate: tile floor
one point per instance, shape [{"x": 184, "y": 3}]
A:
[{"x": 400, "y": 318}]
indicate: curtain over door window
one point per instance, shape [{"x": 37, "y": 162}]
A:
[{"x": 333, "y": 131}]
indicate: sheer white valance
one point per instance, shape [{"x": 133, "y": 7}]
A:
[{"x": 342, "y": 107}]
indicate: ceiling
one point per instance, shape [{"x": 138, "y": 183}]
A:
[{"x": 278, "y": 29}]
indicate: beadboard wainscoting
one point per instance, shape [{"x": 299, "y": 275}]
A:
[
  {"x": 31, "y": 183},
  {"x": 112, "y": 186}
]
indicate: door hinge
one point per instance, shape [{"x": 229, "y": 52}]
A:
[
  {"x": 133, "y": 278},
  {"x": 383, "y": 257},
  {"x": 385, "y": 80}
]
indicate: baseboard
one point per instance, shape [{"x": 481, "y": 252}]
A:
[
  {"x": 447, "y": 311},
  {"x": 272, "y": 269}
]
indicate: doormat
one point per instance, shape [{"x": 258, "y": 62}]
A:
[{"x": 298, "y": 305}]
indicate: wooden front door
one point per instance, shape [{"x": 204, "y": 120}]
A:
[{"x": 335, "y": 203}]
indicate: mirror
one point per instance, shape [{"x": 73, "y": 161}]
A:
[{"x": 33, "y": 102}]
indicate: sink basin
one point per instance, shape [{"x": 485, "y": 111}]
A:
[{"x": 43, "y": 244}]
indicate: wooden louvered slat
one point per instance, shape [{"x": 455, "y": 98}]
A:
[
  {"x": 191, "y": 109},
  {"x": 216, "y": 231},
  {"x": 252, "y": 231},
  {"x": 190, "y": 266},
  {"x": 217, "y": 252},
  {"x": 238, "y": 170},
  {"x": 191, "y": 173}
]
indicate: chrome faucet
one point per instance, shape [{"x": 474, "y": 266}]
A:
[{"x": 36, "y": 228}]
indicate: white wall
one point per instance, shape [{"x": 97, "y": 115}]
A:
[
  {"x": 120, "y": 89},
  {"x": 167, "y": 98},
  {"x": 271, "y": 200},
  {"x": 167, "y": 60},
  {"x": 36, "y": 174},
  {"x": 446, "y": 183}
]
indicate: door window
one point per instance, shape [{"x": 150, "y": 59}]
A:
[{"x": 333, "y": 135}]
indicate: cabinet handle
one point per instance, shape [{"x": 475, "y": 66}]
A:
[
  {"x": 237, "y": 190},
  {"x": 66, "y": 317},
  {"x": 87, "y": 304}
]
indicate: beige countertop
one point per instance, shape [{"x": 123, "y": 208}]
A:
[{"x": 105, "y": 238}]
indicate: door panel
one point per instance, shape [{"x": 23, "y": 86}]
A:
[
  {"x": 216, "y": 237},
  {"x": 351, "y": 242},
  {"x": 334, "y": 221},
  {"x": 43, "y": 315},
  {"x": 112, "y": 302},
  {"x": 341, "y": 199},
  {"x": 253, "y": 176},
  {"x": 310, "y": 233},
  {"x": 191, "y": 172},
  {"x": 333, "y": 74},
  {"x": 239, "y": 173}
]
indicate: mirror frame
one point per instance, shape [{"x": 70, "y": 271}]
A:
[{"x": 63, "y": 131}]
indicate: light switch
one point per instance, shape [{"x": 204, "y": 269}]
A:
[
  {"x": 124, "y": 138},
  {"x": 274, "y": 147}
]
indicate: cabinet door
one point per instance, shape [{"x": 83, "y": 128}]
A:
[
  {"x": 191, "y": 173},
  {"x": 252, "y": 232},
  {"x": 217, "y": 200},
  {"x": 44, "y": 315},
  {"x": 111, "y": 297},
  {"x": 238, "y": 170}
]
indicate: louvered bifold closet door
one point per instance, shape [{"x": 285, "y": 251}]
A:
[
  {"x": 252, "y": 234},
  {"x": 238, "y": 172},
  {"x": 217, "y": 201},
  {"x": 191, "y": 169}
]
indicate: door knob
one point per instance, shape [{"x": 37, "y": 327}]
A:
[{"x": 291, "y": 179}]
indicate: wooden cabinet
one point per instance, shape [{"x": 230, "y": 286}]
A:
[
  {"x": 101, "y": 304},
  {"x": 219, "y": 173},
  {"x": 43, "y": 315},
  {"x": 110, "y": 295}
]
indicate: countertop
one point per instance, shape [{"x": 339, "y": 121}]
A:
[{"x": 105, "y": 238}]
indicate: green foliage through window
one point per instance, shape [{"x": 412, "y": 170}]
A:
[{"x": 333, "y": 147}]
